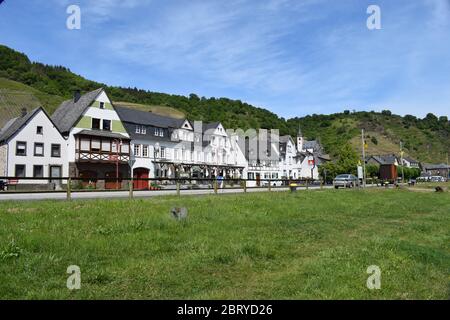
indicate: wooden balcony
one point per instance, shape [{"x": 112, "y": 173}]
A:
[{"x": 101, "y": 156}]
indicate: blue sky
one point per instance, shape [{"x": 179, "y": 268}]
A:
[{"x": 292, "y": 57}]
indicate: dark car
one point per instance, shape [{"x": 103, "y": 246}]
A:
[{"x": 345, "y": 181}]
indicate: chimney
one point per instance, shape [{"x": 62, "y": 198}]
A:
[
  {"x": 76, "y": 96},
  {"x": 24, "y": 112}
]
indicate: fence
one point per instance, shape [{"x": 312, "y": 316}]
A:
[{"x": 70, "y": 185}]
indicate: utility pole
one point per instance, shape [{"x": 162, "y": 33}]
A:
[
  {"x": 364, "y": 157},
  {"x": 401, "y": 161},
  {"x": 448, "y": 168}
]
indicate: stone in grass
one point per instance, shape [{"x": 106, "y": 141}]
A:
[
  {"x": 439, "y": 189},
  {"x": 179, "y": 213}
]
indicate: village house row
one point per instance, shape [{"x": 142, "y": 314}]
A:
[{"x": 90, "y": 138}]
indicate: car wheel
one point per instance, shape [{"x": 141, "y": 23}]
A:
[{"x": 336, "y": 187}]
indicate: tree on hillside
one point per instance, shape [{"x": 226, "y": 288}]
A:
[{"x": 346, "y": 163}]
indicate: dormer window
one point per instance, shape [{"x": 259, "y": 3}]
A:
[
  {"x": 39, "y": 130},
  {"x": 102, "y": 105},
  {"x": 159, "y": 132},
  {"x": 141, "y": 129}
]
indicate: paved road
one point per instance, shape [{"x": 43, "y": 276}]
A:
[{"x": 125, "y": 194}]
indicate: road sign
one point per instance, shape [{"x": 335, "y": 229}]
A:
[
  {"x": 113, "y": 157},
  {"x": 360, "y": 172}
]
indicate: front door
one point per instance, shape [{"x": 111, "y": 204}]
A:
[
  {"x": 56, "y": 172},
  {"x": 140, "y": 173},
  {"x": 258, "y": 179},
  {"x": 112, "y": 181}
]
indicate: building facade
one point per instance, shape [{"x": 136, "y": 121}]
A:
[
  {"x": 98, "y": 146},
  {"x": 31, "y": 146},
  {"x": 88, "y": 137},
  {"x": 166, "y": 147}
]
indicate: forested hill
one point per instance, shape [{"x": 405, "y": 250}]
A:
[{"x": 26, "y": 83}]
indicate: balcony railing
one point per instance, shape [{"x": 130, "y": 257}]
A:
[{"x": 101, "y": 156}]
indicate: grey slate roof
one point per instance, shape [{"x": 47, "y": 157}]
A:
[
  {"x": 211, "y": 125},
  {"x": 410, "y": 160},
  {"x": 15, "y": 124},
  {"x": 284, "y": 139},
  {"x": 68, "y": 113},
  {"x": 436, "y": 166},
  {"x": 384, "y": 159},
  {"x": 147, "y": 118},
  {"x": 102, "y": 133},
  {"x": 312, "y": 144}
]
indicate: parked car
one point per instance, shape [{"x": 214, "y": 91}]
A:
[
  {"x": 345, "y": 181},
  {"x": 437, "y": 179},
  {"x": 275, "y": 183}
]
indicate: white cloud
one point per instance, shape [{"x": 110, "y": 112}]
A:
[{"x": 234, "y": 42}]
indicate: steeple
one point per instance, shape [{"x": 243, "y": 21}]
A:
[{"x": 299, "y": 139}]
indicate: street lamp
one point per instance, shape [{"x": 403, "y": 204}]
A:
[
  {"x": 118, "y": 143},
  {"x": 155, "y": 152}
]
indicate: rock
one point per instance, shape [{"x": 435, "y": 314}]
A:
[
  {"x": 439, "y": 189},
  {"x": 179, "y": 213}
]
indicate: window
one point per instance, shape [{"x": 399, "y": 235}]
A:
[
  {"x": 21, "y": 148},
  {"x": 85, "y": 144},
  {"x": 20, "y": 171},
  {"x": 137, "y": 150},
  {"x": 38, "y": 149},
  {"x": 38, "y": 171},
  {"x": 145, "y": 151},
  {"x": 141, "y": 129},
  {"x": 95, "y": 144},
  {"x": 39, "y": 130},
  {"x": 95, "y": 123},
  {"x": 102, "y": 105},
  {"x": 163, "y": 152},
  {"x": 107, "y": 125},
  {"x": 159, "y": 132},
  {"x": 56, "y": 150}
]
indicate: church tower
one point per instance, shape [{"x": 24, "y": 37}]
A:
[{"x": 299, "y": 140}]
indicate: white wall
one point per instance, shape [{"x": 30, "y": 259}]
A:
[
  {"x": 92, "y": 112},
  {"x": 28, "y": 134}
]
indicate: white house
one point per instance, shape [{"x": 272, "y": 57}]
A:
[
  {"x": 166, "y": 147},
  {"x": 31, "y": 146},
  {"x": 310, "y": 156},
  {"x": 411, "y": 163},
  {"x": 290, "y": 166},
  {"x": 98, "y": 144}
]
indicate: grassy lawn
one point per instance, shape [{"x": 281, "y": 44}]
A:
[
  {"x": 433, "y": 185},
  {"x": 313, "y": 244}
]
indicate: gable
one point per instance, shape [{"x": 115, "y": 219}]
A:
[
  {"x": 187, "y": 125},
  {"x": 29, "y": 128},
  {"x": 102, "y": 99}
]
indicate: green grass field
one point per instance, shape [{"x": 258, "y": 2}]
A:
[{"x": 308, "y": 245}]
